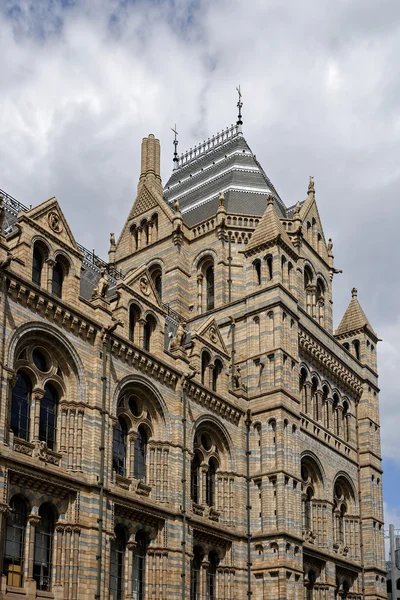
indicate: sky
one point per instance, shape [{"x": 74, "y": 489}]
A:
[{"x": 83, "y": 81}]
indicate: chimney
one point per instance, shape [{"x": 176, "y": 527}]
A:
[{"x": 150, "y": 163}]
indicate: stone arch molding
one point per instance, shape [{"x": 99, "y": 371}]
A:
[
  {"x": 131, "y": 380},
  {"x": 25, "y": 330},
  {"x": 221, "y": 431}
]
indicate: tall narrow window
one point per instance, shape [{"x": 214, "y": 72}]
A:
[
  {"x": 148, "y": 330},
  {"x": 356, "y": 346},
  {"x": 37, "y": 265},
  {"x": 210, "y": 287},
  {"x": 290, "y": 276},
  {"x": 195, "y": 479},
  {"x": 48, "y": 416},
  {"x": 210, "y": 483},
  {"x": 133, "y": 319},
  {"x": 212, "y": 576},
  {"x": 14, "y": 549},
  {"x": 20, "y": 402},
  {"x": 217, "y": 370},
  {"x": 42, "y": 563},
  {"x": 307, "y": 510},
  {"x": 139, "y": 566},
  {"x": 117, "y": 556},
  {"x": 269, "y": 262},
  {"x": 205, "y": 361},
  {"x": 156, "y": 276},
  {"x": 119, "y": 447},
  {"x": 195, "y": 566},
  {"x": 257, "y": 271},
  {"x": 58, "y": 278},
  {"x": 310, "y": 585},
  {"x": 139, "y": 467}
]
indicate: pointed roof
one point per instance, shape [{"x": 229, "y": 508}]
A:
[
  {"x": 224, "y": 163},
  {"x": 269, "y": 228},
  {"x": 354, "y": 318}
]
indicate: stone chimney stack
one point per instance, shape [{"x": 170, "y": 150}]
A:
[{"x": 150, "y": 164}]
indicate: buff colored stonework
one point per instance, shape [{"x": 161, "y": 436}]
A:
[{"x": 231, "y": 315}]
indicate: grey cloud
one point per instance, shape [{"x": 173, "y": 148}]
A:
[{"x": 81, "y": 86}]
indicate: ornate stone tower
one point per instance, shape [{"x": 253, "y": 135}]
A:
[{"x": 182, "y": 421}]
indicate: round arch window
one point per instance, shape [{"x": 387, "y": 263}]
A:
[
  {"x": 206, "y": 441},
  {"x": 40, "y": 360}
]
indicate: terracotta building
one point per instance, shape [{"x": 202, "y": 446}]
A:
[{"x": 182, "y": 421}]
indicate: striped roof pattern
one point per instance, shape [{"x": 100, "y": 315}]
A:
[{"x": 223, "y": 164}]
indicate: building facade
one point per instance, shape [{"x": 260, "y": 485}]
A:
[{"x": 182, "y": 421}]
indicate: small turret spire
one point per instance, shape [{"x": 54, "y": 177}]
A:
[
  {"x": 175, "y": 142},
  {"x": 239, "y": 105},
  {"x": 354, "y": 293}
]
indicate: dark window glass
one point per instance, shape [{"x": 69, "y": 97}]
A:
[
  {"x": 210, "y": 287},
  {"x": 40, "y": 360},
  {"x": 139, "y": 467},
  {"x": 216, "y": 373},
  {"x": 48, "y": 416},
  {"x": 269, "y": 266},
  {"x": 37, "y": 266},
  {"x": 194, "y": 479},
  {"x": 307, "y": 510},
  {"x": 158, "y": 285},
  {"x": 117, "y": 556},
  {"x": 119, "y": 448},
  {"x": 212, "y": 577},
  {"x": 257, "y": 268},
  {"x": 147, "y": 329},
  {"x": 14, "y": 547},
  {"x": 139, "y": 564},
  {"x": 195, "y": 575},
  {"x": 58, "y": 277},
  {"x": 210, "y": 483},
  {"x": 42, "y": 564},
  {"x": 20, "y": 404},
  {"x": 205, "y": 360},
  {"x": 133, "y": 407},
  {"x": 132, "y": 323}
]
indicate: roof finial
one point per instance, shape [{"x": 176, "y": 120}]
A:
[
  {"x": 270, "y": 200},
  {"x": 175, "y": 142},
  {"x": 239, "y": 105},
  {"x": 354, "y": 292}
]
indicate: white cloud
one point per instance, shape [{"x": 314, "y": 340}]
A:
[{"x": 83, "y": 83}]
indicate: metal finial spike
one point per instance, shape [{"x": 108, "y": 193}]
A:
[
  {"x": 239, "y": 105},
  {"x": 175, "y": 142}
]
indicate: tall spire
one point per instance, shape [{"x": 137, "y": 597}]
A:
[
  {"x": 239, "y": 105},
  {"x": 175, "y": 142}
]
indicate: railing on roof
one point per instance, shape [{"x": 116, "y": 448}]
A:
[
  {"x": 206, "y": 146},
  {"x": 92, "y": 260},
  {"x": 12, "y": 204}
]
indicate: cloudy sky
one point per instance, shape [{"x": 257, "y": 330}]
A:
[{"x": 83, "y": 81}]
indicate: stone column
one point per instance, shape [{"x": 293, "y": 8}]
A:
[
  {"x": 131, "y": 453},
  {"x": 33, "y": 521},
  {"x": 37, "y": 396},
  {"x": 307, "y": 397},
  {"x": 11, "y": 381},
  {"x": 139, "y": 237},
  {"x": 79, "y": 441},
  {"x": 150, "y": 230},
  {"x": 71, "y": 436},
  {"x": 75, "y": 563},
  {"x": 200, "y": 293},
  {"x": 203, "y": 578},
  {"x": 50, "y": 262},
  {"x": 131, "y": 547},
  {"x": 203, "y": 486},
  {"x": 63, "y": 436},
  {"x": 210, "y": 376},
  {"x": 318, "y": 405},
  {"x": 58, "y": 553},
  {"x": 141, "y": 323},
  {"x": 4, "y": 511}
]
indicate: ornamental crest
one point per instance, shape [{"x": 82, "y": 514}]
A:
[{"x": 55, "y": 221}]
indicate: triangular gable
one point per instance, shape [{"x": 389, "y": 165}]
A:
[
  {"x": 354, "y": 318},
  {"x": 49, "y": 215},
  {"x": 147, "y": 200},
  {"x": 308, "y": 211},
  {"x": 268, "y": 229},
  {"x": 210, "y": 332},
  {"x": 141, "y": 282}
]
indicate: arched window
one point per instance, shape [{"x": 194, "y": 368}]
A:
[
  {"x": 257, "y": 271},
  {"x": 210, "y": 287},
  {"x": 119, "y": 447},
  {"x": 314, "y": 399},
  {"x": 356, "y": 346},
  {"x": 156, "y": 277},
  {"x": 346, "y": 422},
  {"x": 139, "y": 566},
  {"x": 335, "y": 414},
  {"x": 139, "y": 466},
  {"x": 268, "y": 260},
  {"x": 325, "y": 405},
  {"x": 195, "y": 479},
  {"x": 217, "y": 370},
  {"x": 310, "y": 585},
  {"x": 290, "y": 276},
  {"x": 283, "y": 268},
  {"x": 210, "y": 482},
  {"x": 148, "y": 330},
  {"x": 134, "y": 316},
  {"x": 205, "y": 361},
  {"x": 308, "y": 277},
  {"x": 308, "y": 509},
  {"x": 48, "y": 416},
  {"x": 14, "y": 547},
  {"x": 117, "y": 556},
  {"x": 302, "y": 390},
  {"x": 20, "y": 403},
  {"x": 37, "y": 265},
  {"x": 58, "y": 279},
  {"x": 212, "y": 576},
  {"x": 195, "y": 566},
  {"x": 42, "y": 563}
]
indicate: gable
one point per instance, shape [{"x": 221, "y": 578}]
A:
[
  {"x": 140, "y": 282},
  {"x": 209, "y": 331},
  {"x": 50, "y": 217},
  {"x": 309, "y": 215}
]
